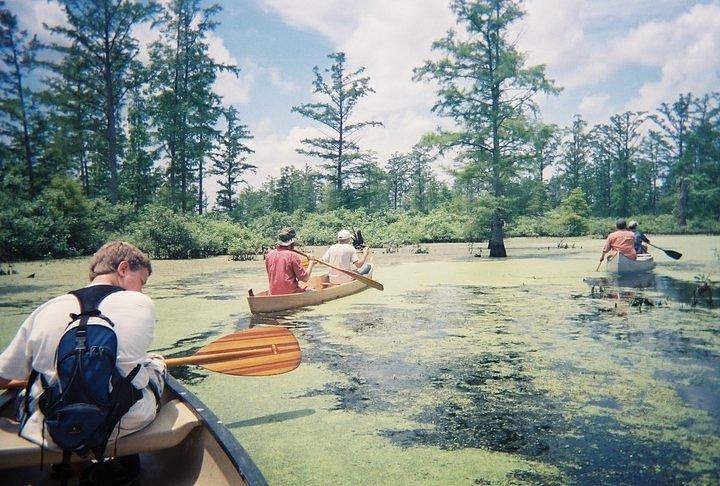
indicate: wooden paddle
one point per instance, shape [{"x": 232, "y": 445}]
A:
[
  {"x": 367, "y": 281},
  {"x": 260, "y": 351},
  {"x": 675, "y": 255},
  {"x": 609, "y": 257}
]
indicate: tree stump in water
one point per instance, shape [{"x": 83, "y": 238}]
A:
[{"x": 496, "y": 244}]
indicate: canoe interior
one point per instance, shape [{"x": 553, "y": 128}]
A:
[
  {"x": 320, "y": 290},
  {"x": 190, "y": 447}
]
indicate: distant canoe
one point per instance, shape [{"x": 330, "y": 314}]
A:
[
  {"x": 262, "y": 303},
  {"x": 185, "y": 444},
  {"x": 623, "y": 265}
]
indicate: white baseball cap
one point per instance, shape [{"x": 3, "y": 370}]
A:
[{"x": 344, "y": 235}]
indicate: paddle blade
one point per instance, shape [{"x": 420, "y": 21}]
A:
[
  {"x": 673, "y": 254},
  {"x": 260, "y": 351}
]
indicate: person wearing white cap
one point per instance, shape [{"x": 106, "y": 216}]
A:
[
  {"x": 640, "y": 238},
  {"x": 342, "y": 254}
]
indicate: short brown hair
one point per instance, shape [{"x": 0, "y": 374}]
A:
[{"x": 107, "y": 259}]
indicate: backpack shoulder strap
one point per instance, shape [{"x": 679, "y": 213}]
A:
[{"x": 90, "y": 297}]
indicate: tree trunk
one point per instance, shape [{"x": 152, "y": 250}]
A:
[
  {"x": 496, "y": 244},
  {"x": 110, "y": 112},
  {"x": 24, "y": 120},
  {"x": 682, "y": 203}
]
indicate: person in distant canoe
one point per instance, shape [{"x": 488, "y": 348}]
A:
[
  {"x": 342, "y": 254},
  {"x": 640, "y": 238},
  {"x": 622, "y": 240},
  {"x": 283, "y": 265}
]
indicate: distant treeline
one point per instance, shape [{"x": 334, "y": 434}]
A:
[{"x": 95, "y": 143}]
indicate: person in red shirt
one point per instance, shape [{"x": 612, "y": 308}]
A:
[
  {"x": 283, "y": 265},
  {"x": 622, "y": 240}
]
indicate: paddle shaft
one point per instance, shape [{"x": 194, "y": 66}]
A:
[
  {"x": 228, "y": 351},
  {"x": 367, "y": 281},
  {"x": 675, "y": 255}
]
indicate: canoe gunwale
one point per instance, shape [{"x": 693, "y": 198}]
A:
[
  {"x": 206, "y": 421},
  {"x": 235, "y": 452},
  {"x": 261, "y": 303}
]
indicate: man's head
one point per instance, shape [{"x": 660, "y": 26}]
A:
[
  {"x": 124, "y": 260},
  {"x": 632, "y": 225},
  {"x": 344, "y": 236},
  {"x": 621, "y": 224},
  {"x": 286, "y": 237}
]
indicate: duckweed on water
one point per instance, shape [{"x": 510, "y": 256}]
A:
[{"x": 464, "y": 371}]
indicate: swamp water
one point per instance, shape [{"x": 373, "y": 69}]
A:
[{"x": 464, "y": 370}]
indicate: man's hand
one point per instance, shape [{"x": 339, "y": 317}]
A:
[{"x": 366, "y": 250}]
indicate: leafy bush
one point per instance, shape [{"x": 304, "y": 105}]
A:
[
  {"x": 163, "y": 233},
  {"x": 247, "y": 245}
]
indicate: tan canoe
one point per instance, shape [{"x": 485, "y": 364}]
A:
[
  {"x": 322, "y": 291},
  {"x": 185, "y": 444},
  {"x": 621, "y": 264}
]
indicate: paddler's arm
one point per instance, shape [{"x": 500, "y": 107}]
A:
[{"x": 361, "y": 261}]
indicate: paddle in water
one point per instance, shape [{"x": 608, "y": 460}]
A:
[
  {"x": 675, "y": 255},
  {"x": 260, "y": 351},
  {"x": 367, "y": 281}
]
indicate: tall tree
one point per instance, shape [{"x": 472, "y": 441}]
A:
[
  {"x": 704, "y": 158},
  {"x": 372, "y": 191},
  {"x": 573, "y": 163},
  {"x": 620, "y": 140},
  {"x": 421, "y": 177},
  {"x": 139, "y": 179},
  {"x": 398, "y": 172},
  {"x": 17, "y": 61},
  {"x": 654, "y": 158},
  {"x": 339, "y": 149},
  {"x": 230, "y": 160},
  {"x": 543, "y": 147},
  {"x": 185, "y": 106},
  {"x": 486, "y": 89},
  {"x": 675, "y": 120},
  {"x": 75, "y": 117},
  {"x": 102, "y": 32}
]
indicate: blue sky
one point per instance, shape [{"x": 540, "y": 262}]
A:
[{"x": 609, "y": 55}]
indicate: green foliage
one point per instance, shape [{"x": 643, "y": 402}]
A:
[
  {"x": 162, "y": 233},
  {"x": 247, "y": 245},
  {"x": 61, "y": 222}
]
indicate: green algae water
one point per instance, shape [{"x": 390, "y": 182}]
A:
[{"x": 534, "y": 369}]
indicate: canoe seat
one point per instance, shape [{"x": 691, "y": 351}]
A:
[{"x": 172, "y": 424}]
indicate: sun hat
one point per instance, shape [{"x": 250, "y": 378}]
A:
[
  {"x": 286, "y": 237},
  {"x": 632, "y": 224},
  {"x": 344, "y": 235}
]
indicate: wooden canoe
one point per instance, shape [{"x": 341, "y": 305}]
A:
[
  {"x": 621, "y": 264},
  {"x": 185, "y": 444},
  {"x": 321, "y": 291}
]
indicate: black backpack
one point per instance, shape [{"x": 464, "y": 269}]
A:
[{"x": 90, "y": 396}]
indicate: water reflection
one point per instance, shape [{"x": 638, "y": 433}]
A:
[{"x": 636, "y": 288}]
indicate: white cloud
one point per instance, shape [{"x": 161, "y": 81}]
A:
[
  {"x": 274, "y": 150},
  {"x": 595, "y": 108},
  {"x": 688, "y": 59},
  {"x": 389, "y": 39}
]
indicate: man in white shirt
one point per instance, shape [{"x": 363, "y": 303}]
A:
[
  {"x": 117, "y": 264},
  {"x": 342, "y": 254}
]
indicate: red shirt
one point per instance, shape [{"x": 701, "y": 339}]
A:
[
  {"x": 284, "y": 270},
  {"x": 622, "y": 241}
]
